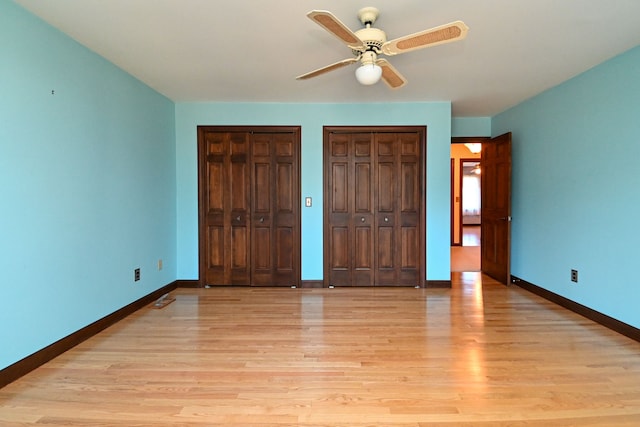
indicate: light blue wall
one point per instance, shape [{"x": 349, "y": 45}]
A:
[
  {"x": 471, "y": 126},
  {"x": 87, "y": 186},
  {"x": 312, "y": 117},
  {"x": 576, "y": 182}
]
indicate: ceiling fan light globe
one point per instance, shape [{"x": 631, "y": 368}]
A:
[{"x": 368, "y": 74}]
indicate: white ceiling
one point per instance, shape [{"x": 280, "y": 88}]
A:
[{"x": 251, "y": 50}]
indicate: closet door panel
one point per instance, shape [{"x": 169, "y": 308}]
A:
[
  {"x": 286, "y": 210},
  {"x": 411, "y": 204},
  {"x": 338, "y": 257},
  {"x": 238, "y": 187},
  {"x": 284, "y": 255}
]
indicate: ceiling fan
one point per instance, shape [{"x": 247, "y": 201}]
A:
[{"x": 368, "y": 43}]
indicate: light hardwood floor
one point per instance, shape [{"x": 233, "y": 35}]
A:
[
  {"x": 471, "y": 235},
  {"x": 478, "y": 354},
  {"x": 467, "y": 256}
]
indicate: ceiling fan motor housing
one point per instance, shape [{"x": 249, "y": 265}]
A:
[{"x": 373, "y": 38}]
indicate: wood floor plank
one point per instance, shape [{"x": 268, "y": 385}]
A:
[{"x": 477, "y": 354}]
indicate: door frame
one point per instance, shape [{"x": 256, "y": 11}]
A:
[
  {"x": 200, "y": 171},
  {"x": 422, "y": 131}
]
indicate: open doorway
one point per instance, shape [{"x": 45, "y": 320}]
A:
[
  {"x": 470, "y": 200},
  {"x": 466, "y": 204}
]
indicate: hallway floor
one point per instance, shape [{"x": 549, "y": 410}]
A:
[{"x": 467, "y": 256}]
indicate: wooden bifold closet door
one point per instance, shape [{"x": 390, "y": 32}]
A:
[
  {"x": 374, "y": 206},
  {"x": 249, "y": 209}
]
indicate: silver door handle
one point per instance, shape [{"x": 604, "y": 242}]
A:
[
  {"x": 506, "y": 218},
  {"x": 261, "y": 219},
  {"x": 362, "y": 219},
  {"x": 386, "y": 219},
  {"x": 238, "y": 218}
]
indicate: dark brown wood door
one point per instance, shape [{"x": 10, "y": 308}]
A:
[
  {"x": 373, "y": 207},
  {"x": 275, "y": 247},
  {"x": 224, "y": 207},
  {"x": 249, "y": 205},
  {"x": 496, "y": 208},
  {"x": 349, "y": 196}
]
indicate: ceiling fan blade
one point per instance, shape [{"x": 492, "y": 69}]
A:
[
  {"x": 390, "y": 75},
  {"x": 333, "y": 25},
  {"x": 328, "y": 68},
  {"x": 432, "y": 37}
]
